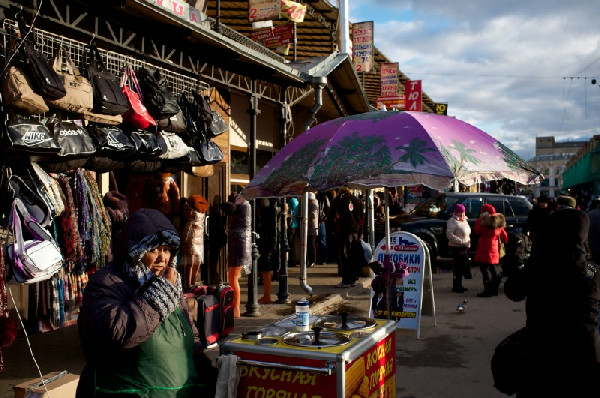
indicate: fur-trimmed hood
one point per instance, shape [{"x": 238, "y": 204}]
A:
[{"x": 493, "y": 221}]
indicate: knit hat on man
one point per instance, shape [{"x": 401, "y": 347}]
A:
[{"x": 566, "y": 201}]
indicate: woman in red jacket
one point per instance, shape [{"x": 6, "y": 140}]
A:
[{"x": 490, "y": 228}]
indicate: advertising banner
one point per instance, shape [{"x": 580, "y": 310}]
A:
[
  {"x": 396, "y": 102},
  {"x": 274, "y": 37},
  {"x": 413, "y": 94},
  {"x": 293, "y": 11},
  {"x": 263, "y": 10},
  {"x": 405, "y": 293},
  {"x": 389, "y": 79},
  {"x": 362, "y": 46}
]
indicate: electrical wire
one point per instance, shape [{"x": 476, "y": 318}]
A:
[
  {"x": 28, "y": 342},
  {"x": 24, "y": 37}
]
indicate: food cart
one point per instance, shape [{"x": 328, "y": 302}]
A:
[{"x": 343, "y": 356}]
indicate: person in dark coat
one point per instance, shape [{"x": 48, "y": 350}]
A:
[
  {"x": 562, "y": 309},
  {"x": 594, "y": 232},
  {"x": 346, "y": 217},
  {"x": 537, "y": 217},
  {"x": 137, "y": 336},
  {"x": 490, "y": 228}
]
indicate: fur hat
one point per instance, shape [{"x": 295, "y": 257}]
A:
[
  {"x": 488, "y": 209},
  {"x": 566, "y": 201}
]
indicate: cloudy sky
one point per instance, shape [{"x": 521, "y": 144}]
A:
[{"x": 516, "y": 69}]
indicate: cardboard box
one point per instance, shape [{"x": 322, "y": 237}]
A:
[{"x": 61, "y": 387}]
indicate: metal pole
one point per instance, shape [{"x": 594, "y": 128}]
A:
[
  {"x": 303, "y": 238},
  {"x": 371, "y": 219},
  {"x": 282, "y": 295},
  {"x": 252, "y": 307}
]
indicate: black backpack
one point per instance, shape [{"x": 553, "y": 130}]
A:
[
  {"x": 158, "y": 99},
  {"x": 108, "y": 95}
]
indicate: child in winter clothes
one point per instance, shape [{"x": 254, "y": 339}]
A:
[
  {"x": 490, "y": 228},
  {"x": 458, "y": 232}
]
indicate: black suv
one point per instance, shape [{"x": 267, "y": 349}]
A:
[{"x": 428, "y": 220}]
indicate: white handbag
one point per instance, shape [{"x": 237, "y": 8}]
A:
[
  {"x": 175, "y": 147},
  {"x": 33, "y": 260}
]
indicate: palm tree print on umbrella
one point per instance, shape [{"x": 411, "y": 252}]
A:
[
  {"x": 414, "y": 151},
  {"x": 294, "y": 167},
  {"x": 356, "y": 155},
  {"x": 464, "y": 153},
  {"x": 374, "y": 117}
]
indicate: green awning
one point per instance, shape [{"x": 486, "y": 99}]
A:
[{"x": 585, "y": 170}]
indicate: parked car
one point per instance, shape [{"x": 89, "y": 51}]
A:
[{"x": 428, "y": 220}]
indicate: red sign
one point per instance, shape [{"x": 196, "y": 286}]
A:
[
  {"x": 379, "y": 371},
  {"x": 413, "y": 94},
  {"x": 396, "y": 102},
  {"x": 274, "y": 37}
]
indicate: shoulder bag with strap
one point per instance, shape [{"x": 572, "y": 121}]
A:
[
  {"x": 32, "y": 260},
  {"x": 137, "y": 115},
  {"x": 158, "y": 98}
]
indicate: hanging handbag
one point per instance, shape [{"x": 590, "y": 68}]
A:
[
  {"x": 74, "y": 141},
  {"x": 137, "y": 115},
  {"x": 147, "y": 145},
  {"x": 108, "y": 95},
  {"x": 79, "y": 97},
  {"x": 31, "y": 199},
  {"x": 17, "y": 92},
  {"x": 209, "y": 152},
  {"x": 32, "y": 260},
  {"x": 44, "y": 78},
  {"x": 101, "y": 118},
  {"x": 210, "y": 122},
  {"x": 175, "y": 124},
  {"x": 218, "y": 125},
  {"x": 158, "y": 98},
  {"x": 111, "y": 141},
  {"x": 23, "y": 137},
  {"x": 174, "y": 147},
  {"x": 76, "y": 145}
]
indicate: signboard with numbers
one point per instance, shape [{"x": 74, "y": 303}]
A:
[
  {"x": 362, "y": 46},
  {"x": 389, "y": 79},
  {"x": 263, "y": 10}
]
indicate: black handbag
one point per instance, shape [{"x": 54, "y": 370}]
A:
[
  {"x": 23, "y": 137},
  {"x": 111, "y": 141},
  {"x": 209, "y": 152},
  {"x": 44, "y": 78},
  {"x": 158, "y": 98},
  {"x": 147, "y": 145},
  {"x": 175, "y": 123},
  {"x": 35, "y": 204},
  {"x": 74, "y": 141},
  {"x": 108, "y": 95}
]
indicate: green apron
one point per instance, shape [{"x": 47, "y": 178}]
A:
[{"x": 161, "y": 367}]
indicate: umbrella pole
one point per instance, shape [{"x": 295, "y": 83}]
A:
[
  {"x": 386, "y": 195},
  {"x": 303, "y": 247},
  {"x": 371, "y": 219}
]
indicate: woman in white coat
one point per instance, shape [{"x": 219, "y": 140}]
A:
[{"x": 458, "y": 232}]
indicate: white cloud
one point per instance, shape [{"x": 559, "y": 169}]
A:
[{"x": 499, "y": 64}]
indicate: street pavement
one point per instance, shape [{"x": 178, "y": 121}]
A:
[{"x": 450, "y": 360}]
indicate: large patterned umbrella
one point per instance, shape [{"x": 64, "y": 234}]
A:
[{"x": 380, "y": 148}]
